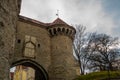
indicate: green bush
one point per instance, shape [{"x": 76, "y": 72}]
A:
[{"x": 99, "y": 75}]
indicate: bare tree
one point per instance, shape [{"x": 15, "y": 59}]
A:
[
  {"x": 103, "y": 51},
  {"x": 79, "y": 43}
]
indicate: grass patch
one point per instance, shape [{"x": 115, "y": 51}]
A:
[{"x": 103, "y": 75}]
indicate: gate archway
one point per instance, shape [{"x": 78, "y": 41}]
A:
[{"x": 40, "y": 73}]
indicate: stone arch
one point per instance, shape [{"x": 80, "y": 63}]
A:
[
  {"x": 54, "y": 31},
  {"x": 70, "y": 32},
  {"x": 40, "y": 73},
  {"x": 67, "y": 31},
  {"x": 58, "y": 29},
  {"x": 50, "y": 31},
  {"x": 63, "y": 30}
]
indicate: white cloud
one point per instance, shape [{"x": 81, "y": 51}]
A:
[{"x": 89, "y": 13}]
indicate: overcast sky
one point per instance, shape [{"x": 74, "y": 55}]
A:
[{"x": 96, "y": 15}]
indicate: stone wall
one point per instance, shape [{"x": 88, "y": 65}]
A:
[
  {"x": 42, "y": 50},
  {"x": 62, "y": 58},
  {"x": 8, "y": 18}
]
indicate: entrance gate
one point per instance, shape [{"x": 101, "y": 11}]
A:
[{"x": 40, "y": 73}]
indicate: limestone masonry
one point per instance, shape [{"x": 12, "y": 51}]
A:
[{"x": 46, "y": 47}]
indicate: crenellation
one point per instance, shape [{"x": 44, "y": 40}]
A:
[{"x": 55, "y": 31}]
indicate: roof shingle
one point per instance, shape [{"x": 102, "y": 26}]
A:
[{"x": 59, "y": 21}]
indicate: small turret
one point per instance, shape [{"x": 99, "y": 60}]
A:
[
  {"x": 59, "y": 27},
  {"x": 62, "y": 60}
]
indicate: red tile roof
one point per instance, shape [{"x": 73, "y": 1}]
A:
[
  {"x": 59, "y": 21},
  {"x": 44, "y": 25},
  {"x": 31, "y": 20}
]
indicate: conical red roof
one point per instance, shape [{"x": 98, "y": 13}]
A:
[{"x": 59, "y": 21}]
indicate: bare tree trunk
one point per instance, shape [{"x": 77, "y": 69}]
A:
[
  {"x": 81, "y": 67},
  {"x": 78, "y": 44},
  {"x": 110, "y": 67}
]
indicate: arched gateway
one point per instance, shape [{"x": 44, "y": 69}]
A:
[{"x": 40, "y": 73}]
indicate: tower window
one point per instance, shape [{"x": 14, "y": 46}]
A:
[
  {"x": 19, "y": 41},
  {"x": 1, "y": 24},
  {"x": 50, "y": 31},
  {"x": 67, "y": 31},
  {"x": 63, "y": 29},
  {"x": 38, "y": 45},
  {"x": 70, "y": 31},
  {"x": 54, "y": 30},
  {"x": 58, "y": 30}
]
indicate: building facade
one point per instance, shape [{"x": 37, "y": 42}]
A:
[
  {"x": 48, "y": 44},
  {"x": 46, "y": 47}
]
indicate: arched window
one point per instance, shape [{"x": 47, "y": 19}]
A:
[
  {"x": 67, "y": 31},
  {"x": 50, "y": 31},
  {"x": 54, "y": 30},
  {"x": 29, "y": 50},
  {"x": 29, "y": 47},
  {"x": 58, "y": 29},
  {"x": 70, "y": 32},
  {"x": 63, "y": 29}
]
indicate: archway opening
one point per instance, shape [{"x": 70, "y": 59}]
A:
[{"x": 27, "y": 70}]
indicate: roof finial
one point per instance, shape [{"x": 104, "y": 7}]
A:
[{"x": 57, "y": 14}]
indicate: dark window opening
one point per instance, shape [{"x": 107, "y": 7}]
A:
[
  {"x": 38, "y": 45},
  {"x": 54, "y": 30},
  {"x": 50, "y": 31},
  {"x": 1, "y": 24},
  {"x": 58, "y": 30},
  {"x": 70, "y": 31},
  {"x": 63, "y": 29},
  {"x": 67, "y": 31},
  {"x": 19, "y": 41}
]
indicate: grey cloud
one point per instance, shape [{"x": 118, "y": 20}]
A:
[{"x": 89, "y": 13}]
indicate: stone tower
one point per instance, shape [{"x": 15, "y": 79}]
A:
[
  {"x": 9, "y": 11},
  {"x": 62, "y": 61}
]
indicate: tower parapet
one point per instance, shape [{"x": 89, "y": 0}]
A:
[{"x": 59, "y": 27}]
